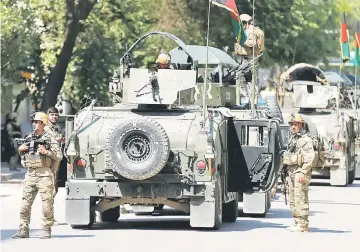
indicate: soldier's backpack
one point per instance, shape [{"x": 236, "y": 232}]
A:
[{"x": 260, "y": 39}]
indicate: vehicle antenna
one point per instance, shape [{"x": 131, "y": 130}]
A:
[{"x": 206, "y": 68}]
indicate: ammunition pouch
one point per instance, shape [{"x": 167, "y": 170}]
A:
[
  {"x": 35, "y": 161},
  {"x": 292, "y": 159}
]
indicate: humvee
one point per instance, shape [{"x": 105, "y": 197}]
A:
[
  {"x": 159, "y": 144},
  {"x": 312, "y": 97}
]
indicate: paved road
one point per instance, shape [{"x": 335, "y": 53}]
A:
[{"x": 335, "y": 225}]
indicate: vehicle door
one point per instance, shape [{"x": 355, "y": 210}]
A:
[{"x": 254, "y": 154}]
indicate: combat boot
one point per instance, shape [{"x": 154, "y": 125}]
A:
[
  {"x": 22, "y": 233},
  {"x": 45, "y": 234}
]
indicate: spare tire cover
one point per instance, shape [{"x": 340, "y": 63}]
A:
[{"x": 137, "y": 149}]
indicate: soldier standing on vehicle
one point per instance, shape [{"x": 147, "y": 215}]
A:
[
  {"x": 299, "y": 159},
  {"x": 39, "y": 178},
  {"x": 54, "y": 130},
  {"x": 255, "y": 39}
]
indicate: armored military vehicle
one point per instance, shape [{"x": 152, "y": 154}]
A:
[
  {"x": 159, "y": 145},
  {"x": 335, "y": 131}
]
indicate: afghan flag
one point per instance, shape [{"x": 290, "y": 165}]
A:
[
  {"x": 230, "y": 5},
  {"x": 344, "y": 40},
  {"x": 357, "y": 44}
]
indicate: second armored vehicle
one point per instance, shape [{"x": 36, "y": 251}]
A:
[{"x": 334, "y": 132}]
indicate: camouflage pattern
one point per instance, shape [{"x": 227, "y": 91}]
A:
[
  {"x": 246, "y": 51},
  {"x": 55, "y": 131},
  {"x": 39, "y": 180},
  {"x": 299, "y": 158},
  {"x": 251, "y": 41}
]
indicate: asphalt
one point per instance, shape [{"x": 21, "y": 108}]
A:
[
  {"x": 8, "y": 176},
  {"x": 334, "y": 226}
]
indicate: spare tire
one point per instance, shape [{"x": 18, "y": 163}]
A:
[
  {"x": 137, "y": 149},
  {"x": 311, "y": 128}
]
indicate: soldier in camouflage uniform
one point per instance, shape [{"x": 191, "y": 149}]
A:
[
  {"x": 246, "y": 51},
  {"x": 299, "y": 160},
  {"x": 54, "y": 130},
  {"x": 39, "y": 178}
]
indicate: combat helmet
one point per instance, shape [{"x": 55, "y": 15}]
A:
[
  {"x": 41, "y": 116},
  {"x": 163, "y": 58},
  {"x": 296, "y": 118},
  {"x": 245, "y": 17}
]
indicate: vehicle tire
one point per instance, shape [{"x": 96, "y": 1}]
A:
[
  {"x": 137, "y": 149},
  {"x": 272, "y": 107},
  {"x": 230, "y": 211},
  {"x": 159, "y": 207},
  {"x": 218, "y": 205},
  {"x": 110, "y": 215},
  {"x": 351, "y": 177}
]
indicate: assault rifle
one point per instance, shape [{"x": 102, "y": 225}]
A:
[
  {"x": 284, "y": 173},
  {"x": 33, "y": 143}
]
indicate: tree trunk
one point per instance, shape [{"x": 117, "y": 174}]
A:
[{"x": 74, "y": 14}]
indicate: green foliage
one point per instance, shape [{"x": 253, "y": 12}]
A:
[{"x": 33, "y": 35}]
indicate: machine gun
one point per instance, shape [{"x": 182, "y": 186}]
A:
[
  {"x": 243, "y": 69},
  {"x": 32, "y": 142}
]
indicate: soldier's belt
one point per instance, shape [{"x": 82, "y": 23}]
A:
[{"x": 293, "y": 159}]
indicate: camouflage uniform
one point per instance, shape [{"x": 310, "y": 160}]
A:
[
  {"x": 39, "y": 178},
  {"x": 246, "y": 51},
  {"x": 54, "y": 131},
  {"x": 299, "y": 159}
]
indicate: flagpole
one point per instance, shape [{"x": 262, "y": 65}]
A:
[
  {"x": 338, "y": 96},
  {"x": 355, "y": 99},
  {"x": 253, "y": 68},
  {"x": 206, "y": 67}
]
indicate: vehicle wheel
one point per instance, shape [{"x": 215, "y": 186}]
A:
[
  {"x": 218, "y": 205},
  {"x": 110, "y": 215},
  {"x": 137, "y": 149},
  {"x": 230, "y": 211},
  {"x": 159, "y": 207},
  {"x": 351, "y": 177},
  {"x": 272, "y": 107}
]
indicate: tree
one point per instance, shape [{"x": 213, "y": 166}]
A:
[{"x": 76, "y": 13}]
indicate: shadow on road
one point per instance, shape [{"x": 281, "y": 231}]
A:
[
  {"x": 181, "y": 225},
  {"x": 275, "y": 213},
  {"x": 8, "y": 233},
  {"x": 319, "y": 230},
  {"x": 329, "y": 202},
  {"x": 327, "y": 184}
]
